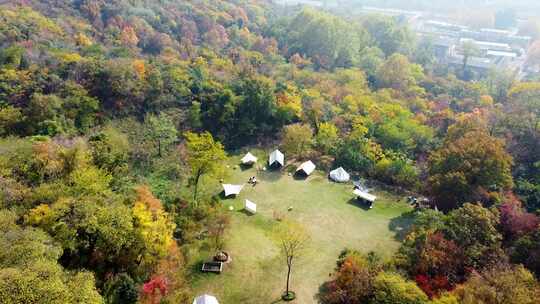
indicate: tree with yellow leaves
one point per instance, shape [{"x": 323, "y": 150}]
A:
[{"x": 153, "y": 227}]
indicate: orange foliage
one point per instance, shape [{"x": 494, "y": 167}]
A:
[
  {"x": 145, "y": 196},
  {"x": 140, "y": 68},
  {"x": 129, "y": 37}
]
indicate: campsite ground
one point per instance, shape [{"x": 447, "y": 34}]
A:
[{"x": 328, "y": 212}]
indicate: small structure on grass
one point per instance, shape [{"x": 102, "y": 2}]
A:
[
  {"x": 306, "y": 168},
  {"x": 216, "y": 267},
  {"x": 249, "y": 159},
  {"x": 230, "y": 189},
  {"x": 205, "y": 299},
  {"x": 362, "y": 195},
  {"x": 250, "y": 207},
  {"x": 276, "y": 159},
  {"x": 339, "y": 175}
]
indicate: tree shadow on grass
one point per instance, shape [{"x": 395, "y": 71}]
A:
[
  {"x": 401, "y": 225},
  {"x": 269, "y": 175},
  {"x": 244, "y": 211},
  {"x": 245, "y": 167}
]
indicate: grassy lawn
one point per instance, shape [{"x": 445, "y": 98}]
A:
[{"x": 328, "y": 212}]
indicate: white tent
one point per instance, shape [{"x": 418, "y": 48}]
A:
[
  {"x": 340, "y": 175},
  {"x": 306, "y": 167},
  {"x": 205, "y": 299},
  {"x": 249, "y": 159},
  {"x": 364, "y": 195},
  {"x": 250, "y": 207},
  {"x": 232, "y": 189},
  {"x": 276, "y": 157}
]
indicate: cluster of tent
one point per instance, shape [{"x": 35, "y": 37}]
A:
[{"x": 277, "y": 159}]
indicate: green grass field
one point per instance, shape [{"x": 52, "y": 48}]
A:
[{"x": 328, "y": 212}]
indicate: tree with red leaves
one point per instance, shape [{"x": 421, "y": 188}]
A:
[
  {"x": 154, "y": 290},
  {"x": 352, "y": 282},
  {"x": 438, "y": 264},
  {"x": 515, "y": 222}
]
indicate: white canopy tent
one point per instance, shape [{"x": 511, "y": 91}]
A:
[
  {"x": 230, "y": 189},
  {"x": 364, "y": 195},
  {"x": 249, "y": 159},
  {"x": 205, "y": 299},
  {"x": 276, "y": 157},
  {"x": 250, "y": 207},
  {"x": 339, "y": 175},
  {"x": 306, "y": 167}
]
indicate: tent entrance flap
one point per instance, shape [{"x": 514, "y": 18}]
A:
[
  {"x": 306, "y": 167},
  {"x": 276, "y": 158}
]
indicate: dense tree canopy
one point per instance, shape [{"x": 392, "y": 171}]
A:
[{"x": 470, "y": 164}]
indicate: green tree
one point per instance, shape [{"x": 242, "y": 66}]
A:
[
  {"x": 526, "y": 251},
  {"x": 470, "y": 163},
  {"x": 390, "y": 288},
  {"x": 357, "y": 154},
  {"x": 327, "y": 39},
  {"x": 87, "y": 227},
  {"x": 399, "y": 74},
  {"x": 121, "y": 289},
  {"x": 257, "y": 109},
  {"x": 469, "y": 49},
  {"x": 161, "y": 130},
  {"x": 388, "y": 35},
  {"x": 397, "y": 169},
  {"x": 474, "y": 229},
  {"x": 370, "y": 59},
  {"x": 12, "y": 56},
  {"x": 47, "y": 282},
  {"x": 297, "y": 139},
  {"x": 522, "y": 119},
  {"x": 205, "y": 157},
  {"x": 10, "y": 117},
  {"x": 327, "y": 138},
  {"x": 29, "y": 271},
  {"x": 500, "y": 284},
  {"x": 293, "y": 241},
  {"x": 110, "y": 150}
]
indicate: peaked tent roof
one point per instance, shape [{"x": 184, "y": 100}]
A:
[
  {"x": 205, "y": 299},
  {"x": 276, "y": 156},
  {"x": 232, "y": 189},
  {"x": 249, "y": 158},
  {"x": 340, "y": 175},
  {"x": 364, "y": 195},
  {"x": 308, "y": 167},
  {"x": 250, "y": 206}
]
